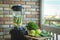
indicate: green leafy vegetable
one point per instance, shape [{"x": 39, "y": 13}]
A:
[
  {"x": 32, "y": 26},
  {"x": 17, "y": 20}
]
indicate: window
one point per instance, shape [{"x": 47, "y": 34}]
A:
[{"x": 50, "y": 9}]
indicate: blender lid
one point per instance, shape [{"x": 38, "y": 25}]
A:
[{"x": 17, "y": 8}]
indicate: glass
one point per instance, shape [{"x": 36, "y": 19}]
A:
[{"x": 17, "y": 18}]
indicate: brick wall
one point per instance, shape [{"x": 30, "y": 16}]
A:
[{"x": 31, "y": 10}]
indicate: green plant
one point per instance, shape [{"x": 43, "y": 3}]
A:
[
  {"x": 17, "y": 20},
  {"x": 32, "y": 26}
]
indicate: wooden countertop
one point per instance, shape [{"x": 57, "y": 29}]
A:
[{"x": 37, "y": 38}]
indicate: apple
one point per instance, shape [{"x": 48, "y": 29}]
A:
[
  {"x": 32, "y": 32},
  {"x": 38, "y": 31},
  {"x": 37, "y": 35}
]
